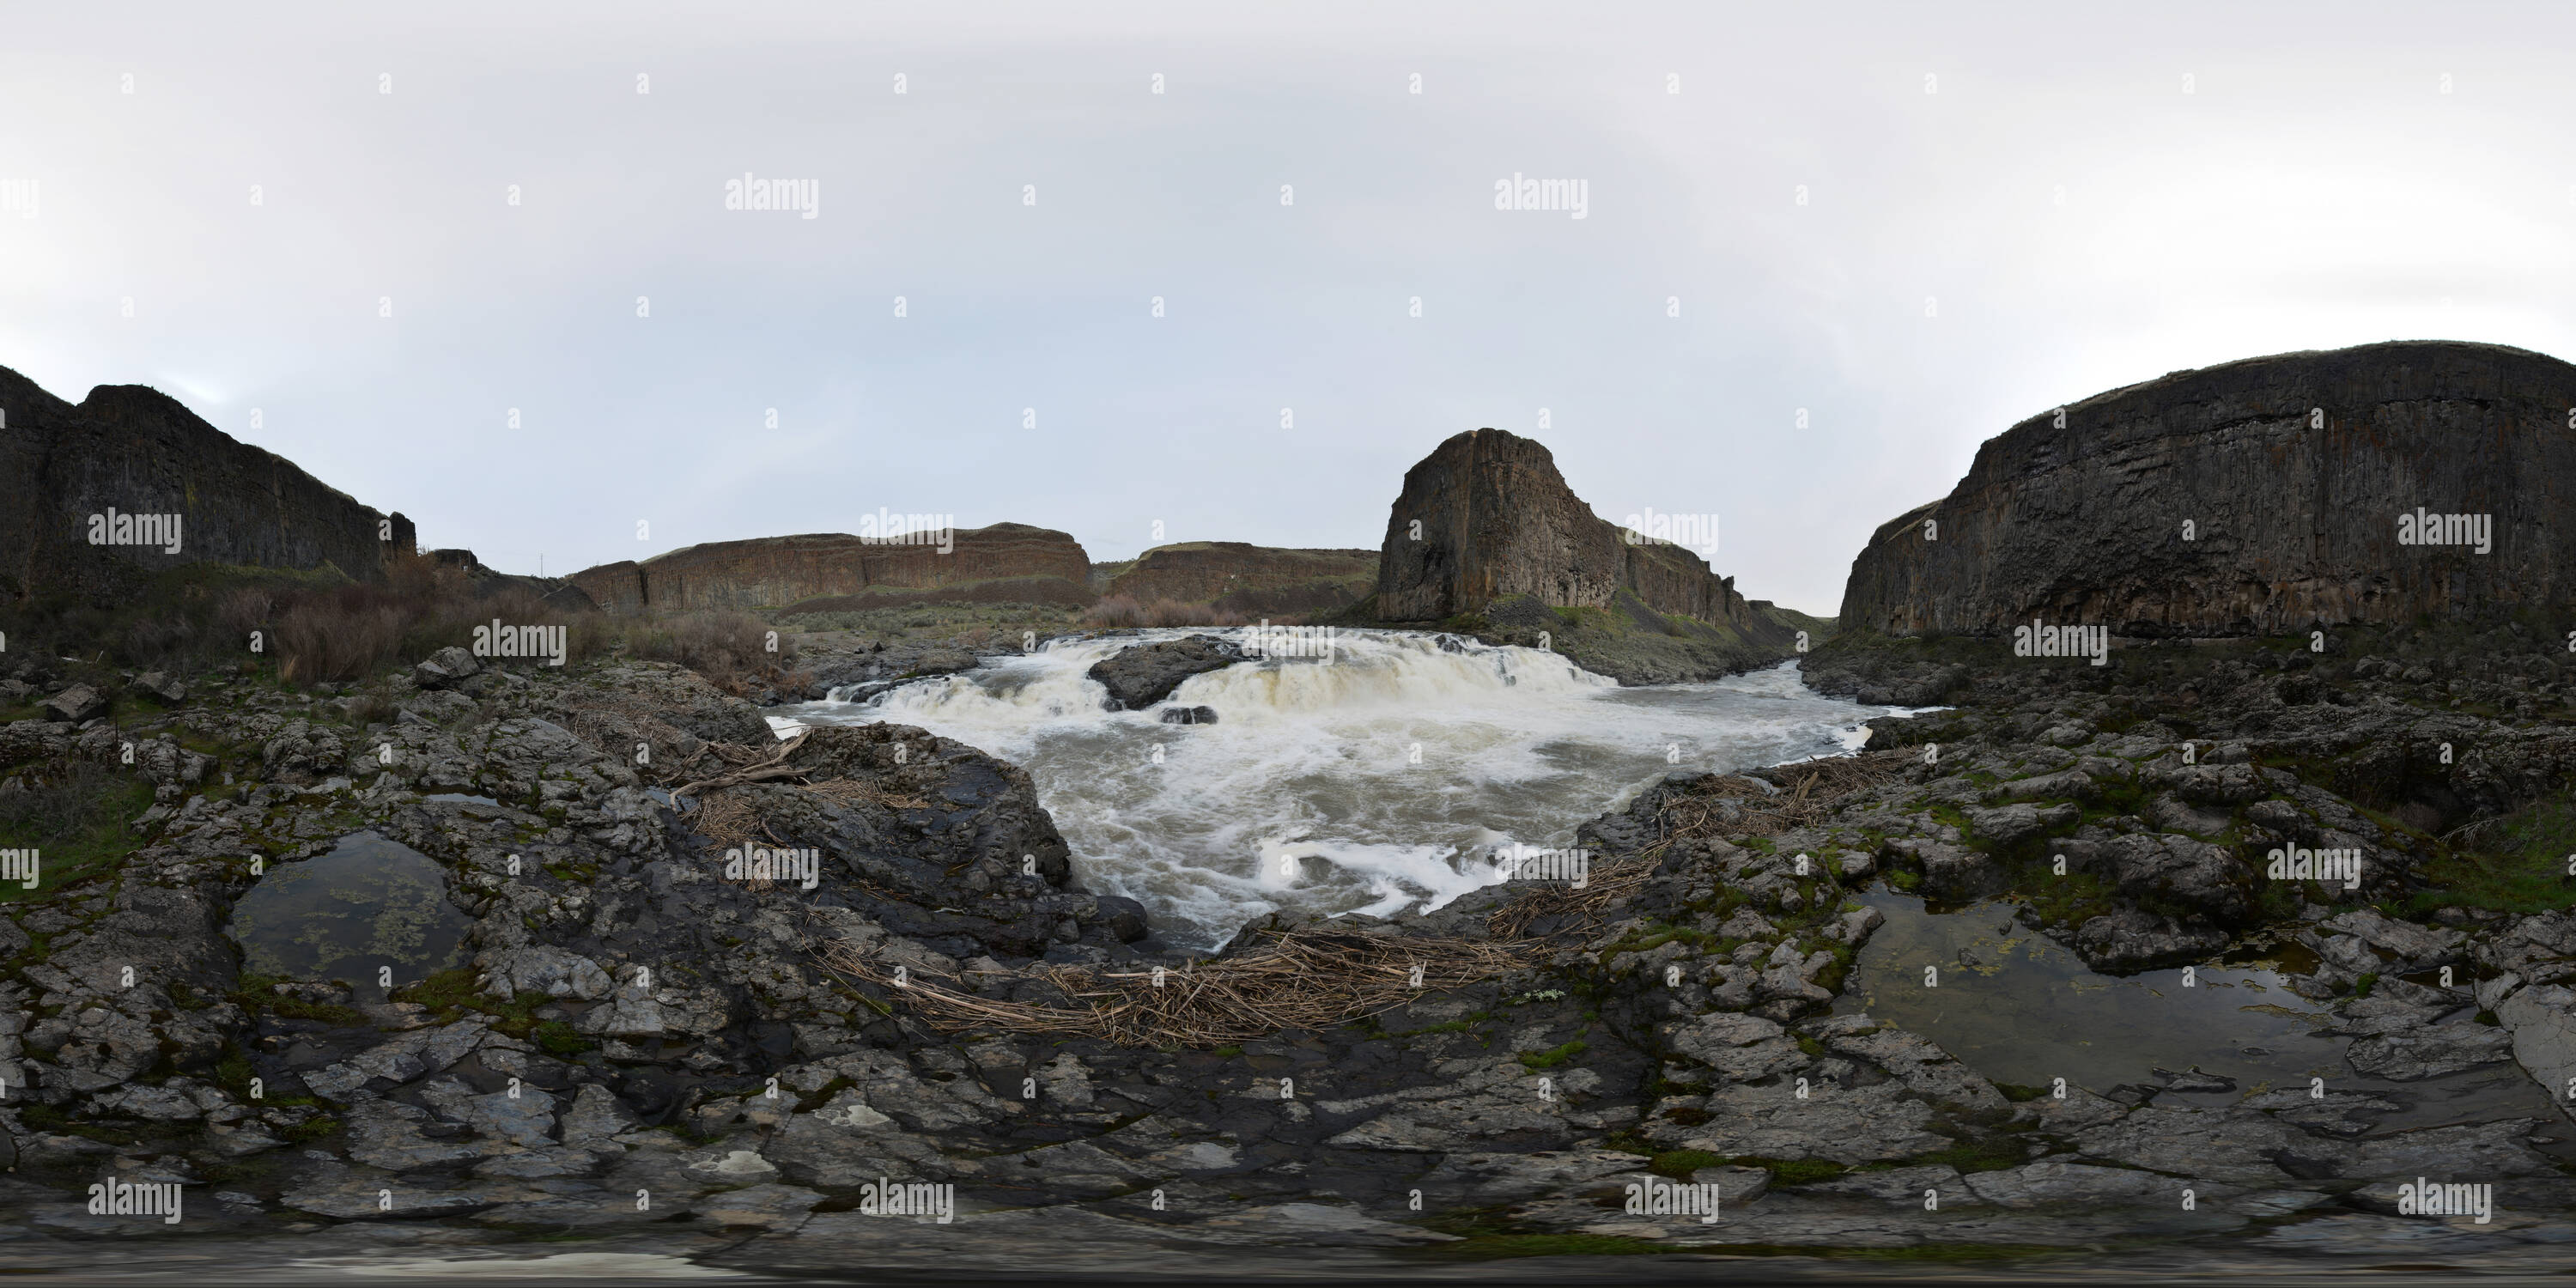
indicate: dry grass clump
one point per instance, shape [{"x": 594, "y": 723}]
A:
[
  {"x": 1600, "y": 889},
  {"x": 1810, "y": 794},
  {"x": 728, "y": 648},
  {"x": 340, "y": 634},
  {"x": 727, "y": 818},
  {"x": 1124, "y": 611},
  {"x": 614, "y": 721},
  {"x": 78, "y": 798},
  {"x": 1299, "y": 979},
  {"x": 325, "y": 634},
  {"x": 850, "y": 791}
]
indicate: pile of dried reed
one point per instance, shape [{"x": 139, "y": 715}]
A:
[
  {"x": 1298, "y": 979},
  {"x": 1734, "y": 805},
  {"x": 1585, "y": 903}
]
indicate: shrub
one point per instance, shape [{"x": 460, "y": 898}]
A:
[
  {"x": 1124, "y": 611},
  {"x": 244, "y": 609},
  {"x": 725, "y": 647},
  {"x": 341, "y": 635},
  {"x": 1113, "y": 611},
  {"x": 77, "y": 800}
]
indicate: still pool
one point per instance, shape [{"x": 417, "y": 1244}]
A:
[{"x": 367, "y": 904}]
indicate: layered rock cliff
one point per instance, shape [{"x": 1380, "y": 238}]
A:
[
  {"x": 1486, "y": 516},
  {"x": 820, "y": 570},
  {"x": 131, "y": 451},
  {"x": 1248, "y": 579},
  {"x": 2298, "y": 475}
]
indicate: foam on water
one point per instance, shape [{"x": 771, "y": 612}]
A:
[{"x": 1375, "y": 780}]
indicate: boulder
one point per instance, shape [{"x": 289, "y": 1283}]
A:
[
  {"x": 446, "y": 667},
  {"x": 2417, "y": 1054},
  {"x": 2542, "y": 1020},
  {"x": 2176, "y": 870},
  {"x": 1951, "y": 873},
  {"x": 1122, "y": 917},
  {"x": 1141, "y": 676},
  {"x": 2132, "y": 940},
  {"x": 76, "y": 704},
  {"x": 543, "y": 968},
  {"x": 162, "y": 685}
]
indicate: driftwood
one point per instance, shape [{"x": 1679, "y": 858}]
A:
[{"x": 775, "y": 766}]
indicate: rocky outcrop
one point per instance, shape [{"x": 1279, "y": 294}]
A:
[
  {"x": 68, "y": 471},
  {"x": 2258, "y": 497},
  {"x": 1248, "y": 579},
  {"x": 832, "y": 570},
  {"x": 1486, "y": 516},
  {"x": 554, "y": 592},
  {"x": 1139, "y": 677},
  {"x": 658, "y": 1049}
]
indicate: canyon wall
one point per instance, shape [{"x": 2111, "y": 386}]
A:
[
  {"x": 1248, "y": 579},
  {"x": 779, "y": 572},
  {"x": 2257, "y": 497},
  {"x": 136, "y": 451}
]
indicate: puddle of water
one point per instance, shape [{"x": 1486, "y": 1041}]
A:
[
  {"x": 459, "y": 798},
  {"x": 368, "y": 903},
  {"x": 2019, "y": 1007}
]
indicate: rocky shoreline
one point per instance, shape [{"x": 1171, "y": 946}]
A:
[
  {"x": 645, "y": 1056},
  {"x": 685, "y": 992}
]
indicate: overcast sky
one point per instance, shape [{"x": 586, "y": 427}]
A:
[{"x": 2005, "y": 207}]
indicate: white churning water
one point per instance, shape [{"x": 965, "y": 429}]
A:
[{"x": 1375, "y": 780}]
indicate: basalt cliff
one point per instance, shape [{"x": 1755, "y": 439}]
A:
[
  {"x": 1240, "y": 578},
  {"x": 2264, "y": 496},
  {"x": 1002, "y": 562},
  {"x": 133, "y": 451},
  {"x": 1487, "y": 531}
]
